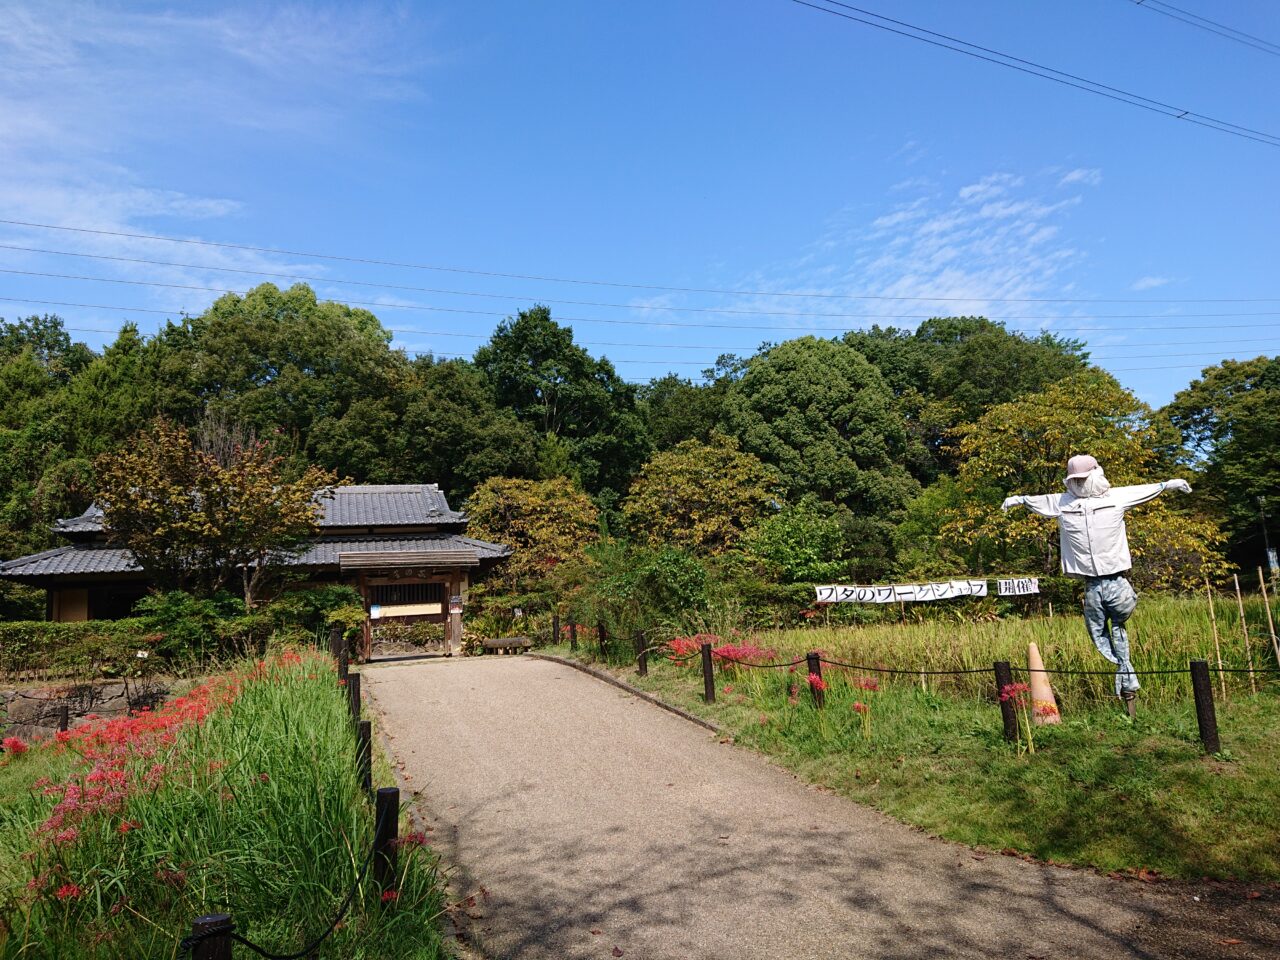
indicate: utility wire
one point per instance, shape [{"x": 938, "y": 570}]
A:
[
  {"x": 1037, "y": 70},
  {"x": 278, "y": 251},
  {"x": 585, "y": 303},
  {"x": 383, "y": 305},
  {"x": 1213, "y": 26}
]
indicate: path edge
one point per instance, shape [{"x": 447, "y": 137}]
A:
[{"x": 623, "y": 685}]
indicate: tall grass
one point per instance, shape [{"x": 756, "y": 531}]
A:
[
  {"x": 1165, "y": 633},
  {"x": 240, "y": 798}
]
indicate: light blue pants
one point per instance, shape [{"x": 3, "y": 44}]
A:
[{"x": 1108, "y": 603}]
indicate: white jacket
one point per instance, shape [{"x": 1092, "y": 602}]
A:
[{"x": 1094, "y": 540}]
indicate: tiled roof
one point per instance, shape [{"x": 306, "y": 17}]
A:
[
  {"x": 387, "y": 506},
  {"x": 390, "y": 505},
  {"x": 89, "y": 559}
]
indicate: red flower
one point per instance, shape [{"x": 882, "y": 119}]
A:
[
  {"x": 342, "y": 683},
  {"x": 390, "y": 896},
  {"x": 1046, "y": 710},
  {"x": 15, "y": 746},
  {"x": 867, "y": 683},
  {"x": 127, "y": 825},
  {"x": 860, "y": 707},
  {"x": 1013, "y": 692},
  {"x": 263, "y": 778},
  {"x": 68, "y": 891},
  {"x": 415, "y": 839},
  {"x": 816, "y": 682}
]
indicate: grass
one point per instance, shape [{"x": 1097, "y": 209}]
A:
[
  {"x": 1099, "y": 790},
  {"x": 241, "y": 797}
]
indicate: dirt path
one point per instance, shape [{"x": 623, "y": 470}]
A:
[{"x": 599, "y": 823}]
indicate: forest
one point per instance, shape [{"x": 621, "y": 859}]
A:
[{"x": 880, "y": 454}]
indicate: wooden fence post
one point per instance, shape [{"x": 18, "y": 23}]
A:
[
  {"x": 813, "y": 660},
  {"x": 336, "y": 640},
  {"x": 1202, "y": 688},
  {"x": 386, "y": 830},
  {"x": 603, "y": 635},
  {"x": 642, "y": 654},
  {"x": 1004, "y": 678},
  {"x": 364, "y": 754},
  {"x": 353, "y": 696},
  {"x": 217, "y": 947},
  {"x": 708, "y": 675},
  {"x": 64, "y": 718}
]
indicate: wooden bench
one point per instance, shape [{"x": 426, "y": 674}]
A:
[{"x": 504, "y": 645}]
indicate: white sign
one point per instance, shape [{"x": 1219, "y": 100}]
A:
[
  {"x": 1019, "y": 586},
  {"x": 903, "y": 592},
  {"x": 375, "y": 611},
  {"x": 1273, "y": 559}
]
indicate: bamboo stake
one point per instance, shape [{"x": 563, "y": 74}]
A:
[
  {"x": 1217, "y": 645},
  {"x": 1244, "y": 629},
  {"x": 1271, "y": 625}
]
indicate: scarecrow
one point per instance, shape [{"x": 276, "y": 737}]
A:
[{"x": 1095, "y": 548}]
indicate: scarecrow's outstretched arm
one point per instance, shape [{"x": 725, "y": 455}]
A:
[
  {"x": 1045, "y": 504},
  {"x": 1133, "y": 496}
]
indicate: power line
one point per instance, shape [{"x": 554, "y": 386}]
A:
[
  {"x": 1213, "y": 26},
  {"x": 279, "y": 251},
  {"x": 580, "y": 303},
  {"x": 667, "y": 324},
  {"x": 1039, "y": 70}
]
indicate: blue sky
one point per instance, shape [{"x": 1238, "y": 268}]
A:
[{"x": 739, "y": 145}]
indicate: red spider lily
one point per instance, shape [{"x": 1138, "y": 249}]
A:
[
  {"x": 390, "y": 896},
  {"x": 14, "y": 745},
  {"x": 728, "y": 689},
  {"x": 411, "y": 840},
  {"x": 764, "y": 719},
  {"x": 62, "y": 736},
  {"x": 127, "y": 825},
  {"x": 861, "y": 707},
  {"x": 1015, "y": 693},
  {"x": 342, "y": 683},
  {"x": 816, "y": 682},
  {"x": 263, "y": 778},
  {"x": 68, "y": 835},
  {"x": 870, "y": 684},
  {"x": 68, "y": 891},
  {"x": 1046, "y": 709}
]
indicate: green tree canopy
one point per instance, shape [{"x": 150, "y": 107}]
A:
[
  {"x": 1230, "y": 420},
  {"x": 559, "y": 389},
  {"x": 700, "y": 497},
  {"x": 823, "y": 416},
  {"x": 547, "y": 523}
]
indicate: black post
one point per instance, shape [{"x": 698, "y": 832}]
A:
[
  {"x": 555, "y": 627},
  {"x": 642, "y": 654},
  {"x": 364, "y": 754},
  {"x": 217, "y": 947},
  {"x": 386, "y": 829},
  {"x": 604, "y": 640},
  {"x": 335, "y": 640},
  {"x": 353, "y": 696},
  {"x": 1202, "y": 687},
  {"x": 814, "y": 661},
  {"x": 64, "y": 718},
  {"x": 708, "y": 675},
  {"x": 1004, "y": 678},
  {"x": 573, "y": 635}
]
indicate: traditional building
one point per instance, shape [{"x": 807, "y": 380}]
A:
[{"x": 402, "y": 547}]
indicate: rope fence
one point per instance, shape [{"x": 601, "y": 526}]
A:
[{"x": 1006, "y": 693}]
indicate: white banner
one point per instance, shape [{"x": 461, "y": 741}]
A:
[
  {"x": 903, "y": 592},
  {"x": 1019, "y": 586}
]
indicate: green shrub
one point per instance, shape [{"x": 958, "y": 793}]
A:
[
  {"x": 93, "y": 648},
  {"x": 421, "y": 633}
]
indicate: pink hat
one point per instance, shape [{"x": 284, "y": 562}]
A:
[{"x": 1081, "y": 465}]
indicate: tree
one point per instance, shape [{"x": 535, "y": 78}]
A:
[
  {"x": 547, "y": 523},
  {"x": 676, "y": 409},
  {"x": 804, "y": 542},
  {"x": 1228, "y": 419},
  {"x": 700, "y": 497},
  {"x": 1022, "y": 447},
  {"x": 822, "y": 416},
  {"x": 198, "y": 518},
  {"x": 559, "y": 389}
]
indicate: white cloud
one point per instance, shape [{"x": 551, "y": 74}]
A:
[
  {"x": 91, "y": 93},
  {"x": 1149, "y": 283},
  {"x": 1089, "y": 176},
  {"x": 991, "y": 186}
]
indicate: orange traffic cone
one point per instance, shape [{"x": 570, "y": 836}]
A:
[{"x": 1044, "y": 708}]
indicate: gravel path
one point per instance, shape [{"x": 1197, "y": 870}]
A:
[{"x": 599, "y": 823}]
